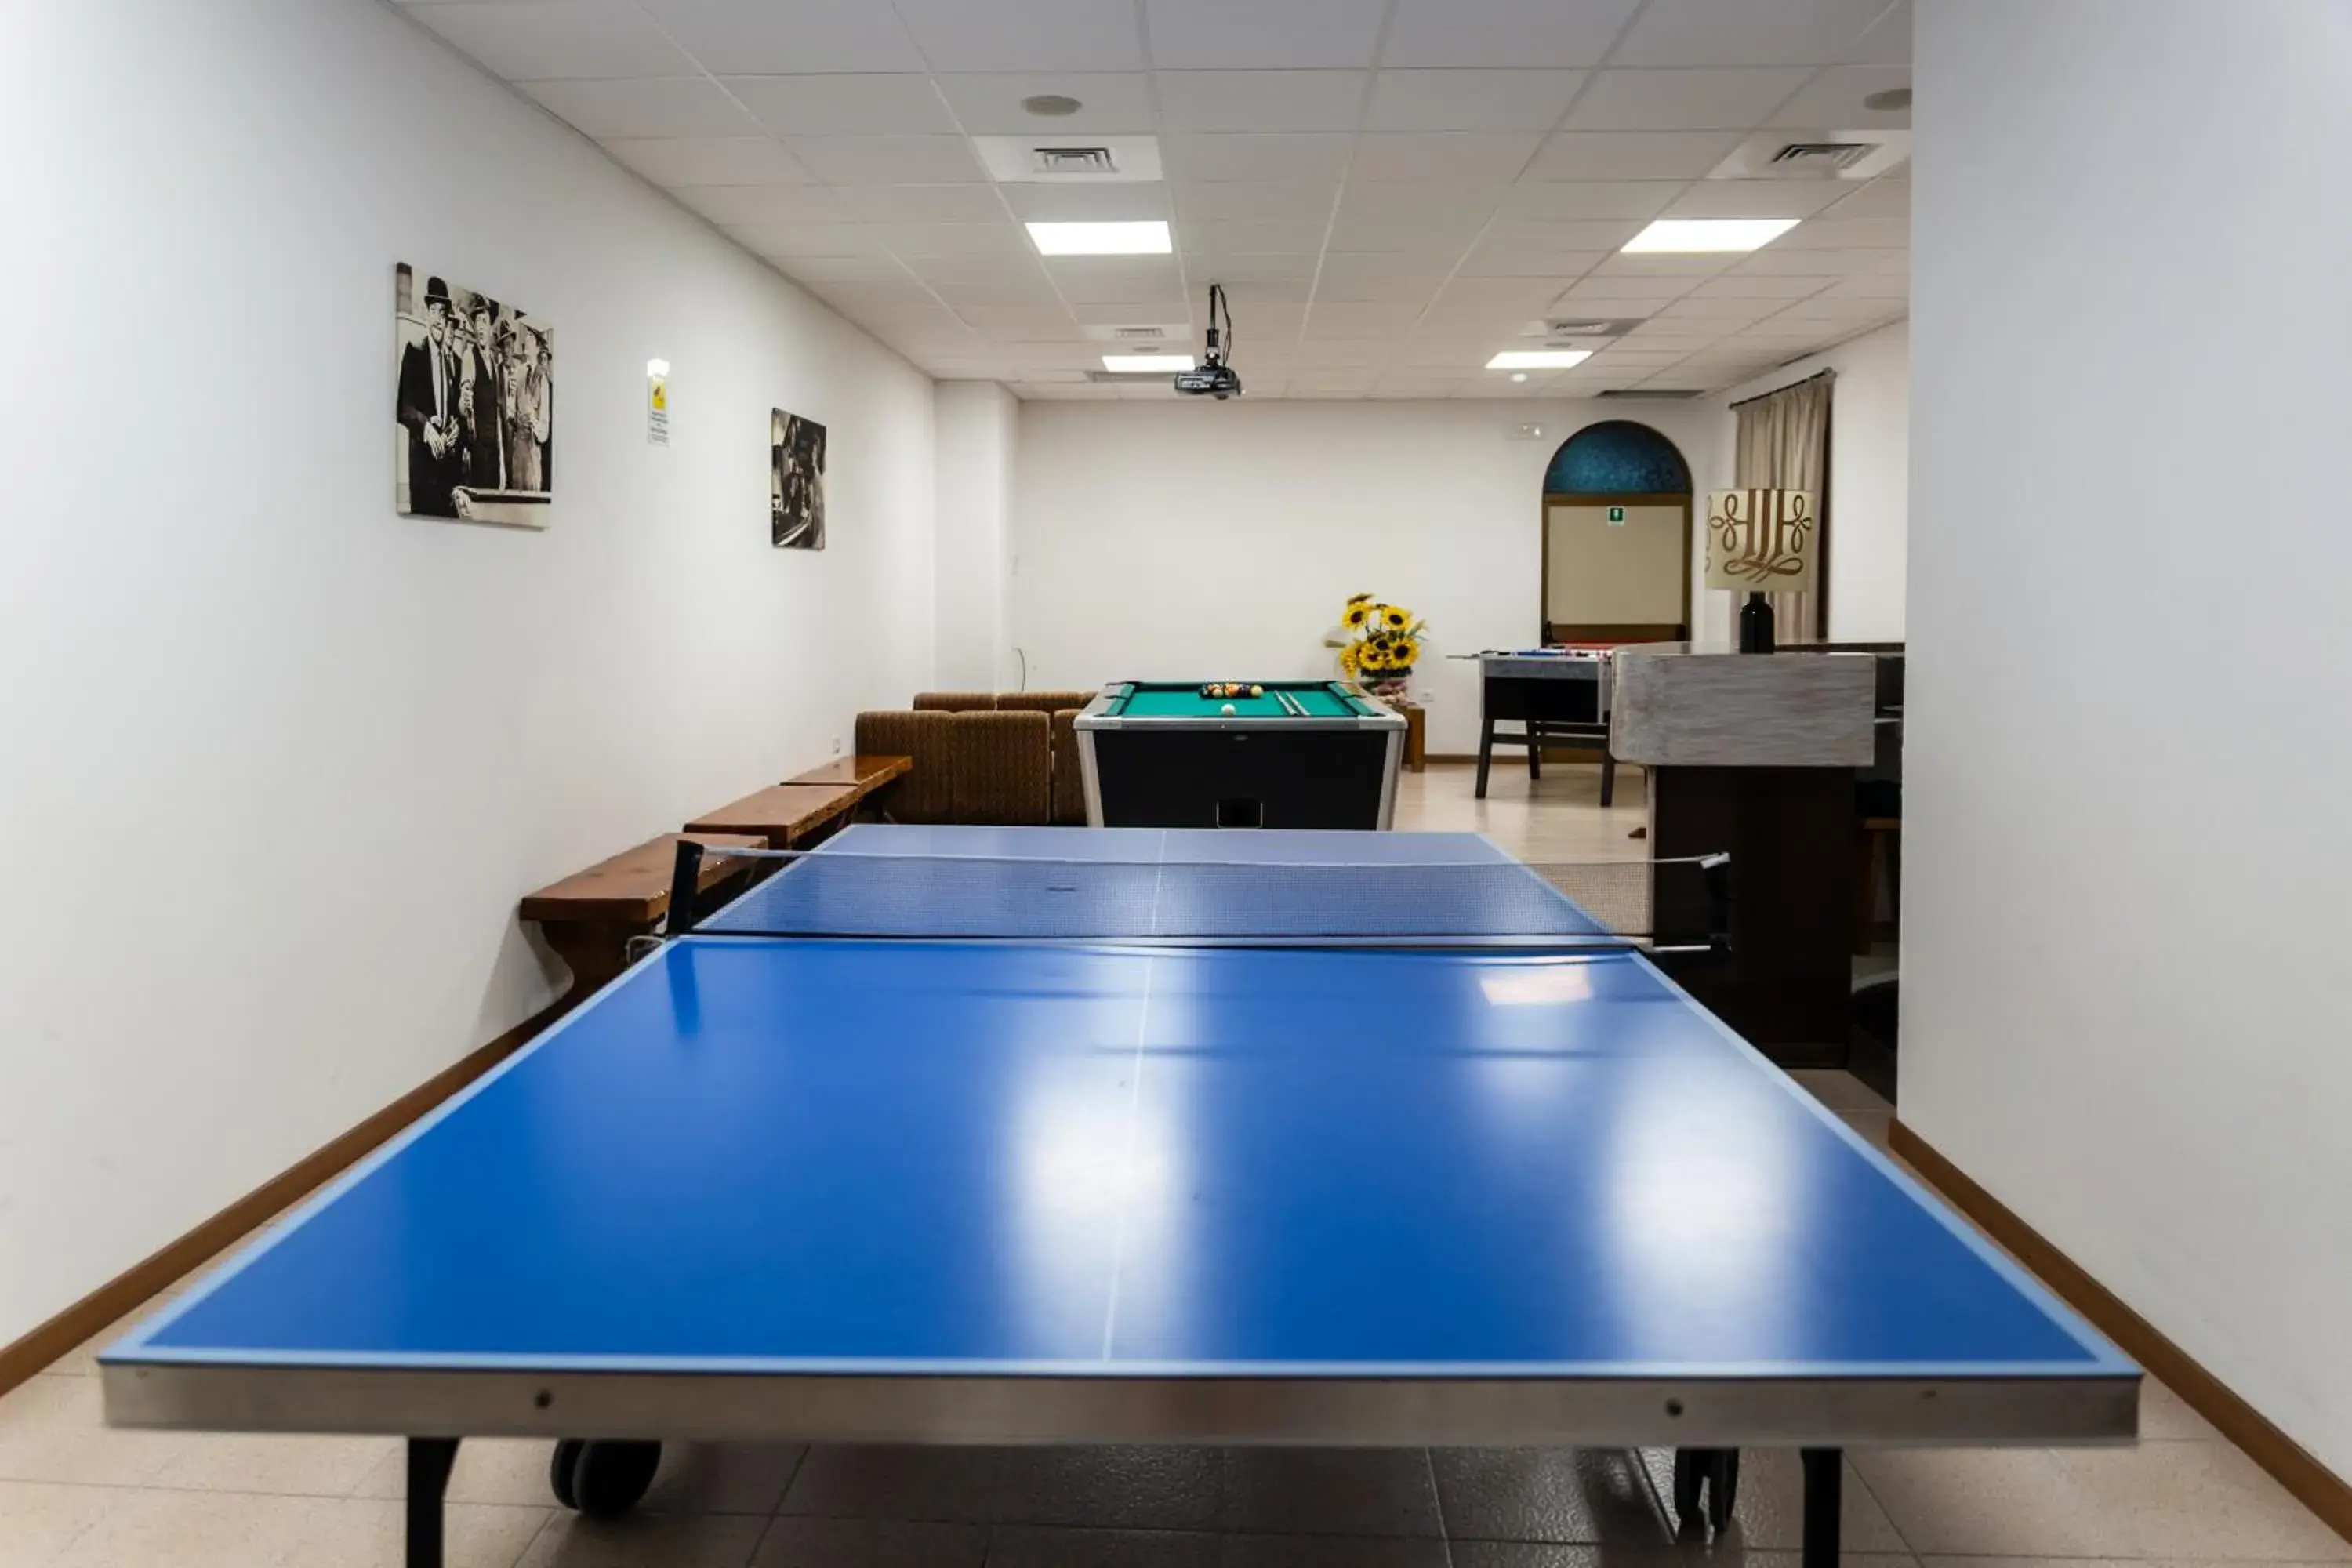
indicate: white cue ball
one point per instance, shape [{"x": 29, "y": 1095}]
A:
[
  {"x": 1228, "y": 708},
  {"x": 1257, "y": 691}
]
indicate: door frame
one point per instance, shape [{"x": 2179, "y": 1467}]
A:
[{"x": 1599, "y": 632}]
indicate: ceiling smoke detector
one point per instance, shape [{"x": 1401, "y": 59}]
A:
[{"x": 1052, "y": 105}]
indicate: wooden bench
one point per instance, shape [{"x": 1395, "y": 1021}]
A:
[
  {"x": 784, "y": 815},
  {"x": 588, "y": 917},
  {"x": 869, "y": 774}
]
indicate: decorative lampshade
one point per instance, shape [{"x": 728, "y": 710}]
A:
[{"x": 1761, "y": 542}]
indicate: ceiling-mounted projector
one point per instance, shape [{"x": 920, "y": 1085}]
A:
[{"x": 1214, "y": 378}]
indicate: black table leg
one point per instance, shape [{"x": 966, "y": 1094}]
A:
[
  {"x": 429, "y": 1459},
  {"x": 1824, "y": 1478},
  {"x": 1608, "y": 776},
  {"x": 1535, "y": 749},
  {"x": 1485, "y": 753}
]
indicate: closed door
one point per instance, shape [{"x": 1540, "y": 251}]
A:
[{"x": 1616, "y": 572}]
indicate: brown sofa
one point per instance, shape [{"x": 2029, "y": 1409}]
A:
[
  {"x": 1067, "y": 802},
  {"x": 977, "y": 766}
]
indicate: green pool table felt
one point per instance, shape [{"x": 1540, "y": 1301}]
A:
[{"x": 1320, "y": 700}]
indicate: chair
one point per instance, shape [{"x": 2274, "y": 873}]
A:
[
  {"x": 1003, "y": 767},
  {"x": 929, "y": 793}
]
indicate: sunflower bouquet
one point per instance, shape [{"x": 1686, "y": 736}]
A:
[{"x": 1379, "y": 644}]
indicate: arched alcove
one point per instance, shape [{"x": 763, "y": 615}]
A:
[{"x": 1616, "y": 537}]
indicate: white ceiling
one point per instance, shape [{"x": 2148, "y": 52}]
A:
[{"x": 1391, "y": 190}]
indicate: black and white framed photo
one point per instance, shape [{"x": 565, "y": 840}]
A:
[
  {"x": 476, "y": 406},
  {"x": 795, "y": 481}
]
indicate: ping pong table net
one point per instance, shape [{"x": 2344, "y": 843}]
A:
[{"x": 1661, "y": 905}]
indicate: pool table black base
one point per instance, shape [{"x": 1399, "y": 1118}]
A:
[{"x": 1262, "y": 777}]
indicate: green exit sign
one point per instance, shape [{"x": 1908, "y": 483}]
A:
[{"x": 1616, "y": 516}]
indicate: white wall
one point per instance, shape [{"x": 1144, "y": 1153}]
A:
[
  {"x": 977, "y": 422},
  {"x": 1188, "y": 540},
  {"x": 2127, "y": 757},
  {"x": 278, "y": 762},
  {"x": 1870, "y": 475}
]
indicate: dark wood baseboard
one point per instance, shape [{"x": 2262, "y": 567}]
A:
[
  {"x": 2315, "y": 1486},
  {"x": 127, "y": 1292}
]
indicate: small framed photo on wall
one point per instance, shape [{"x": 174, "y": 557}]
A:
[{"x": 795, "y": 481}]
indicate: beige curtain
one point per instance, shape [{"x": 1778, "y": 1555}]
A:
[{"x": 1784, "y": 444}]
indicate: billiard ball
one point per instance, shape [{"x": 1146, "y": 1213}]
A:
[
  {"x": 1226, "y": 709},
  {"x": 1257, "y": 691}
]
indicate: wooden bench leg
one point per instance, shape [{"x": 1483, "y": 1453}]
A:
[{"x": 1485, "y": 753}]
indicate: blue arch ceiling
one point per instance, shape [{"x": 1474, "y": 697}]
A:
[{"x": 1617, "y": 457}]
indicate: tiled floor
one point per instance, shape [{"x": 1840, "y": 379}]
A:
[{"x": 74, "y": 1493}]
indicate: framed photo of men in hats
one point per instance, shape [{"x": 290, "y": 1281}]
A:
[
  {"x": 475, "y": 406},
  {"x": 795, "y": 481}
]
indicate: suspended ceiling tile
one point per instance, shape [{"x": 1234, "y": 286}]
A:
[
  {"x": 843, "y": 105},
  {"x": 1504, "y": 32},
  {"x": 755, "y": 37},
  {"x": 670, "y": 106}
]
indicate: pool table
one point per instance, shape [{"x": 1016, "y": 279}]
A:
[{"x": 1305, "y": 754}]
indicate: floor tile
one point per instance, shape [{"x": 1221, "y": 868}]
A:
[
  {"x": 2165, "y": 1417},
  {"x": 39, "y": 1520},
  {"x": 1723, "y": 1554},
  {"x": 2201, "y": 1500},
  {"x": 1029, "y": 1547},
  {"x": 722, "y": 1478},
  {"x": 1999, "y": 1502},
  {"x": 1769, "y": 1513},
  {"x": 53, "y": 1428},
  {"x": 1563, "y": 1495},
  {"x": 1839, "y": 1089},
  {"x": 870, "y": 1543},
  {"x": 296, "y": 1465},
  {"x": 367, "y": 1533},
  {"x": 201, "y": 1530},
  {"x": 508, "y": 1470},
  {"x": 1874, "y": 1125},
  {"x": 1271, "y": 1491},
  {"x": 647, "y": 1541}
]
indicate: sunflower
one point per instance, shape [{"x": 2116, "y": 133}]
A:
[
  {"x": 1402, "y": 653},
  {"x": 1356, "y": 615},
  {"x": 1395, "y": 619},
  {"x": 1375, "y": 658},
  {"x": 1351, "y": 659},
  {"x": 1360, "y": 598}
]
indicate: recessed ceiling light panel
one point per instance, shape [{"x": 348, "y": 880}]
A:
[
  {"x": 1703, "y": 233},
  {"x": 1147, "y": 238},
  {"x": 1538, "y": 359}
]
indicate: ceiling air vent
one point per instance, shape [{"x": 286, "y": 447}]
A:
[
  {"x": 1670, "y": 393},
  {"x": 1137, "y": 334},
  {"x": 1585, "y": 327},
  {"x": 1052, "y": 161},
  {"x": 1815, "y": 155},
  {"x": 1057, "y": 159},
  {"x": 1825, "y": 154}
]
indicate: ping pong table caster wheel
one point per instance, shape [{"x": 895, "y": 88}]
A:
[
  {"x": 1714, "y": 1471},
  {"x": 602, "y": 1480}
]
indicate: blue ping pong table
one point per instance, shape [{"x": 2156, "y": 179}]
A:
[{"x": 1172, "y": 1163}]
